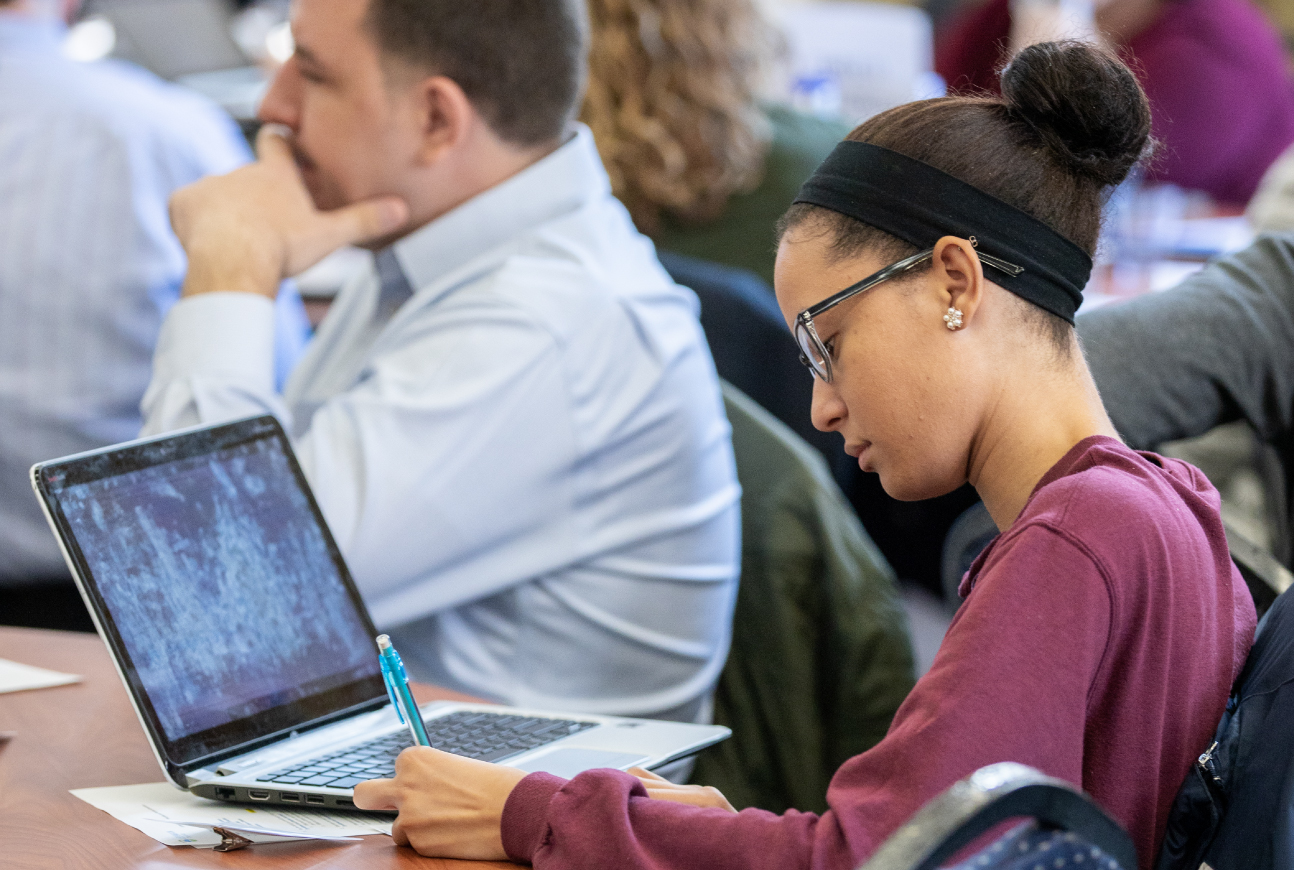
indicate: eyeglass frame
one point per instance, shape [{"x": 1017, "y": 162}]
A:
[{"x": 804, "y": 330}]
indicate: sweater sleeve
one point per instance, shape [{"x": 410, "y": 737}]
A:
[
  {"x": 1010, "y": 683},
  {"x": 1219, "y": 347}
]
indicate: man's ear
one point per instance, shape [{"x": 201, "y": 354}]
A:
[
  {"x": 959, "y": 277},
  {"x": 445, "y": 114}
]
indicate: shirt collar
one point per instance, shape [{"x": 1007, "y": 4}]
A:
[
  {"x": 35, "y": 33},
  {"x": 553, "y": 186}
]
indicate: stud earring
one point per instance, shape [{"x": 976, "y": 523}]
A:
[{"x": 953, "y": 319}]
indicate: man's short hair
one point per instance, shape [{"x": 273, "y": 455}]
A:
[{"x": 520, "y": 62}]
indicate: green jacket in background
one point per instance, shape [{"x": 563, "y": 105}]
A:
[
  {"x": 821, "y": 657},
  {"x": 745, "y": 235}
]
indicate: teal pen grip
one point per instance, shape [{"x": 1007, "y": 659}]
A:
[
  {"x": 415, "y": 718},
  {"x": 397, "y": 687}
]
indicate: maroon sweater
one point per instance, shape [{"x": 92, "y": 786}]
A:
[
  {"x": 1221, "y": 99},
  {"x": 1098, "y": 642}
]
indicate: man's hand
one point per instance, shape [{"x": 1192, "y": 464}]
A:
[
  {"x": 250, "y": 229},
  {"x": 449, "y": 806},
  {"x": 696, "y": 795}
]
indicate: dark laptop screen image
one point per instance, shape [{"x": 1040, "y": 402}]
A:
[{"x": 221, "y": 585}]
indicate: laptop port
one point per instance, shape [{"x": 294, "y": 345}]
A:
[
  {"x": 290, "y": 797},
  {"x": 342, "y": 802},
  {"x": 258, "y": 794},
  {"x": 315, "y": 799},
  {"x": 225, "y": 794}
]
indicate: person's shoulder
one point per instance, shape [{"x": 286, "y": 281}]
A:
[
  {"x": 176, "y": 105},
  {"x": 1109, "y": 483},
  {"x": 572, "y": 274},
  {"x": 130, "y": 104},
  {"x": 1132, "y": 512},
  {"x": 1099, "y": 494}
]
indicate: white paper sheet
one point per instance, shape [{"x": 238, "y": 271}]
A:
[
  {"x": 140, "y": 806},
  {"x": 15, "y": 677}
]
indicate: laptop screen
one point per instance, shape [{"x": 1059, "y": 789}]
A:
[{"x": 218, "y": 584}]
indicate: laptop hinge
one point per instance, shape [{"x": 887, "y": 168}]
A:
[{"x": 296, "y": 742}]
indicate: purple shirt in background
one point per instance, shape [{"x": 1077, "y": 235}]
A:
[
  {"x": 1215, "y": 72},
  {"x": 1098, "y": 642}
]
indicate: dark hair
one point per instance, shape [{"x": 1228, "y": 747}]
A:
[
  {"x": 1070, "y": 124},
  {"x": 520, "y": 62}
]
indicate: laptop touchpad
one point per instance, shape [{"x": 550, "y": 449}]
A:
[{"x": 566, "y": 762}]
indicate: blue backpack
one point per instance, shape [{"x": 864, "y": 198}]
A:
[{"x": 1236, "y": 809}]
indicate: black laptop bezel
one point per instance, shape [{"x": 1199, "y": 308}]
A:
[{"x": 240, "y": 736}]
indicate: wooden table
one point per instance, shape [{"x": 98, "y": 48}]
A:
[{"x": 87, "y": 735}]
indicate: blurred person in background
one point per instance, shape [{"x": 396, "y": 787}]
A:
[
  {"x": 704, "y": 167},
  {"x": 89, "y": 154},
  {"x": 1215, "y": 71}
]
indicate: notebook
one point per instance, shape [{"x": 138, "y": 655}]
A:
[{"x": 244, "y": 644}]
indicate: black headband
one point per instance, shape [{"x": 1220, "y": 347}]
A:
[{"x": 919, "y": 204}]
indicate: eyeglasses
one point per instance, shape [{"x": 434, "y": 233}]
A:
[{"x": 813, "y": 351}]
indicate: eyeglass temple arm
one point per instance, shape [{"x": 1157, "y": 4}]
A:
[
  {"x": 1001, "y": 265},
  {"x": 806, "y": 316}
]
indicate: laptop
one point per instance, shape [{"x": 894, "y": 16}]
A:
[{"x": 244, "y": 644}]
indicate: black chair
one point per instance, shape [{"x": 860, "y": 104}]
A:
[
  {"x": 969, "y": 535},
  {"x": 1265, "y": 576},
  {"x": 1063, "y": 824},
  {"x": 752, "y": 348}
]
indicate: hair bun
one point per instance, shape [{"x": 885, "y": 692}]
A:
[{"x": 1083, "y": 103}]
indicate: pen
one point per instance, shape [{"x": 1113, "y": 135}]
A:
[{"x": 397, "y": 686}]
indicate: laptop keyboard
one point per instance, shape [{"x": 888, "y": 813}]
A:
[{"x": 483, "y": 736}]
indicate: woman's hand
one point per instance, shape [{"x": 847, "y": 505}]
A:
[
  {"x": 697, "y": 795},
  {"x": 449, "y": 806}
]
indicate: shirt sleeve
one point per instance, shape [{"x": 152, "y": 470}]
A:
[
  {"x": 1010, "y": 683},
  {"x": 466, "y": 411},
  {"x": 1217, "y": 348},
  {"x": 214, "y": 362}
]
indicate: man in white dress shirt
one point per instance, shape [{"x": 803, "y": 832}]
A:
[
  {"x": 89, "y": 155},
  {"x": 512, "y": 423}
]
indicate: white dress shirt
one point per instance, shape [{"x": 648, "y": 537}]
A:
[
  {"x": 514, "y": 429},
  {"x": 89, "y": 154}
]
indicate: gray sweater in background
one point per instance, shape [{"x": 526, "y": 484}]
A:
[{"x": 1218, "y": 347}]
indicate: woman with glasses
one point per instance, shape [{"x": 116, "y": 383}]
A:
[{"x": 930, "y": 272}]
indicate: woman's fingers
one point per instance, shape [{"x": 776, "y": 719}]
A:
[
  {"x": 660, "y": 788},
  {"x": 376, "y": 794},
  {"x": 398, "y": 834},
  {"x": 647, "y": 776}
]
